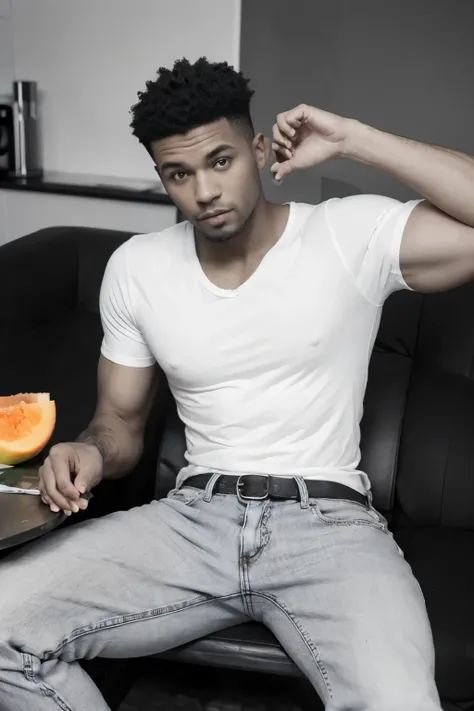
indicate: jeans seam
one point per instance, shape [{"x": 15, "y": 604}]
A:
[
  {"x": 27, "y": 660},
  {"x": 200, "y": 493},
  {"x": 352, "y": 522},
  {"x": 47, "y": 691},
  {"x": 337, "y": 499},
  {"x": 313, "y": 649},
  {"x": 121, "y": 620},
  {"x": 244, "y": 570},
  {"x": 264, "y": 535}
]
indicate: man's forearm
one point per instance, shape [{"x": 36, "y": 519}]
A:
[
  {"x": 120, "y": 448},
  {"x": 442, "y": 176}
]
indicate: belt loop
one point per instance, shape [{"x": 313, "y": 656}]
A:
[
  {"x": 209, "y": 490},
  {"x": 303, "y": 489}
]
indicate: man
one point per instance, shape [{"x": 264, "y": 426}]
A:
[{"x": 262, "y": 317}]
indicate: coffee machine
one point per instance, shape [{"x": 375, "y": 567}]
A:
[
  {"x": 19, "y": 133},
  {"x": 7, "y": 157}
]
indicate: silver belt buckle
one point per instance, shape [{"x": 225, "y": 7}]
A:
[{"x": 240, "y": 486}]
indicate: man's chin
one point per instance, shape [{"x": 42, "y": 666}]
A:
[
  {"x": 222, "y": 234},
  {"x": 219, "y": 238},
  {"x": 219, "y": 234}
]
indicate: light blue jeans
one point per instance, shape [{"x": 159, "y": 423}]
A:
[{"x": 324, "y": 575}]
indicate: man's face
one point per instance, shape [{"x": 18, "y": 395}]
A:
[{"x": 212, "y": 175}]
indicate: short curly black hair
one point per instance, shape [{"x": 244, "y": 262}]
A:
[{"x": 188, "y": 96}]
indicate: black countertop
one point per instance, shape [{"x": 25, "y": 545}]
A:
[{"x": 95, "y": 186}]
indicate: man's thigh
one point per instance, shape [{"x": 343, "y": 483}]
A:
[
  {"x": 129, "y": 584},
  {"x": 347, "y": 608}
]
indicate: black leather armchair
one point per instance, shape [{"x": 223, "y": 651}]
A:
[{"x": 417, "y": 431}]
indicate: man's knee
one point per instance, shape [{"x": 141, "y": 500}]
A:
[{"x": 21, "y": 606}]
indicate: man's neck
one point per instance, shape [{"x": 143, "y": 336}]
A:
[{"x": 262, "y": 231}]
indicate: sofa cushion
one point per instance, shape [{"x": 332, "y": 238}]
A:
[{"x": 245, "y": 646}]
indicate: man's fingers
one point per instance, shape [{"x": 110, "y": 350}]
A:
[
  {"x": 280, "y": 139},
  {"x": 62, "y": 467},
  {"x": 83, "y": 504},
  {"x": 281, "y": 154},
  {"x": 46, "y": 500},
  {"x": 64, "y": 463},
  {"x": 82, "y": 484},
  {"x": 51, "y": 491},
  {"x": 284, "y": 128},
  {"x": 44, "y": 497},
  {"x": 295, "y": 123},
  {"x": 281, "y": 170},
  {"x": 289, "y": 121}
]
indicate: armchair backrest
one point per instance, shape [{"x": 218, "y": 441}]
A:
[{"x": 435, "y": 479}]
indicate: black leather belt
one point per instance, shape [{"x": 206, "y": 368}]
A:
[{"x": 257, "y": 487}]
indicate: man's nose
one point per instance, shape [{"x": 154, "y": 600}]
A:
[{"x": 206, "y": 189}]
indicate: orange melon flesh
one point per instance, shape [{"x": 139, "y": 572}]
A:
[
  {"x": 25, "y": 429},
  {"x": 27, "y": 398}
]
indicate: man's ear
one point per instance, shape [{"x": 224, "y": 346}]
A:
[{"x": 261, "y": 150}]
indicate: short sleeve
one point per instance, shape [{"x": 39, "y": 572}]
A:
[
  {"x": 367, "y": 232},
  {"x": 123, "y": 342}
]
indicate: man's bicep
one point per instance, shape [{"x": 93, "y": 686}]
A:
[
  {"x": 437, "y": 251},
  {"x": 126, "y": 392}
]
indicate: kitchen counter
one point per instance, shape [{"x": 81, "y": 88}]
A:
[{"x": 105, "y": 187}]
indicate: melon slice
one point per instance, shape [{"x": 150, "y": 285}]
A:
[{"x": 26, "y": 426}]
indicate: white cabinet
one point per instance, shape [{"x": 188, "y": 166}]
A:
[{"x": 22, "y": 212}]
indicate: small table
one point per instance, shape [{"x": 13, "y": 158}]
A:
[{"x": 24, "y": 517}]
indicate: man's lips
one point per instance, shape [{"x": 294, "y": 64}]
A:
[{"x": 214, "y": 214}]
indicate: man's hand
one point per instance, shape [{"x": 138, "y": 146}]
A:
[
  {"x": 70, "y": 470},
  {"x": 306, "y": 136}
]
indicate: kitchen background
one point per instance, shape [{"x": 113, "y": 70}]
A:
[{"x": 402, "y": 66}]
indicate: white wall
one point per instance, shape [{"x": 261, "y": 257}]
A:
[
  {"x": 25, "y": 212},
  {"x": 404, "y": 67},
  {"x": 90, "y": 57},
  {"x": 6, "y": 49}
]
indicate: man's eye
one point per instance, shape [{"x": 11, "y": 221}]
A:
[
  {"x": 222, "y": 163},
  {"x": 179, "y": 176}
]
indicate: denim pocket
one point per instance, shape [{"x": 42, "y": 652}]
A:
[
  {"x": 187, "y": 495},
  {"x": 342, "y": 512}
]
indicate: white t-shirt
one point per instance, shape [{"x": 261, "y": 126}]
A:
[{"x": 269, "y": 378}]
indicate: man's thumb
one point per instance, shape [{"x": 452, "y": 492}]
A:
[
  {"x": 82, "y": 482},
  {"x": 281, "y": 170}
]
